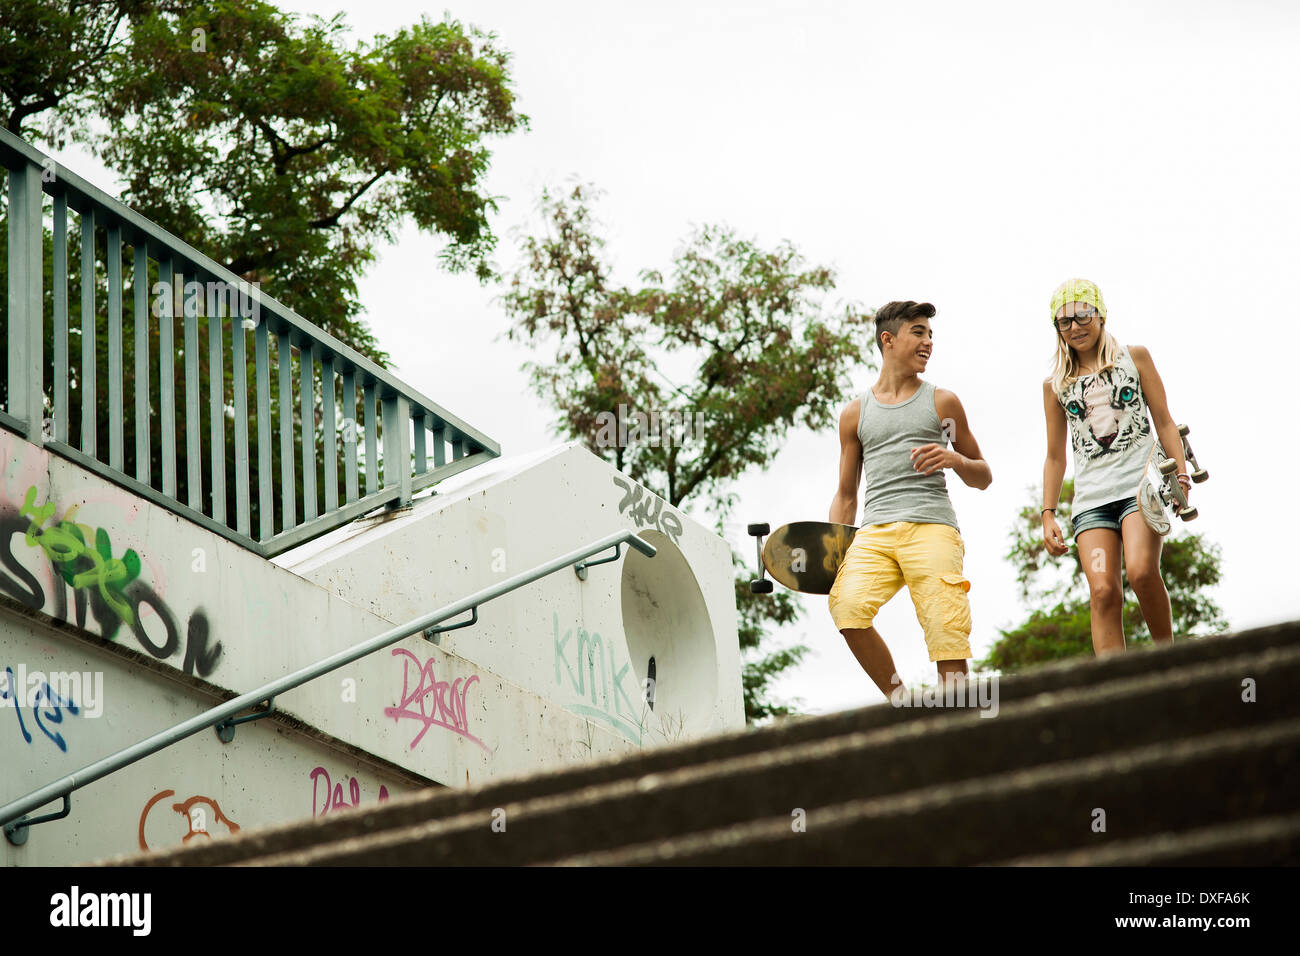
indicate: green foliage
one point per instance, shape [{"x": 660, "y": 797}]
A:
[
  {"x": 754, "y": 614},
  {"x": 1189, "y": 565},
  {"x": 748, "y": 322},
  {"x": 270, "y": 142},
  {"x": 52, "y": 52}
]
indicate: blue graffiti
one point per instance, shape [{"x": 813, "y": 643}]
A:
[{"x": 53, "y": 703}]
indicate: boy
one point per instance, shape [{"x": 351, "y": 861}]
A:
[{"x": 897, "y": 434}]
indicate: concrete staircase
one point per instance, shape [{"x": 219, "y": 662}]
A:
[{"x": 1149, "y": 757}]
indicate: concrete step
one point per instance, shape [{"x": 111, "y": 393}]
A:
[
  {"x": 1079, "y": 720},
  {"x": 1264, "y": 841},
  {"x": 1251, "y": 773}
]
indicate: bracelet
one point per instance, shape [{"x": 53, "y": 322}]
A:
[{"x": 1045, "y": 510}]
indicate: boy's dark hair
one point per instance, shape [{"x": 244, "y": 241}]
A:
[{"x": 891, "y": 316}]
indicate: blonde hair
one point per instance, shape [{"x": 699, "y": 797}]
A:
[{"x": 1066, "y": 369}]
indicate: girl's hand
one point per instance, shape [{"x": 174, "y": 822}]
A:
[{"x": 1052, "y": 537}]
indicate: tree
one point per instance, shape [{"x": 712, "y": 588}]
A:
[
  {"x": 746, "y": 324},
  {"x": 54, "y": 52},
  {"x": 267, "y": 141},
  {"x": 1059, "y": 625}
]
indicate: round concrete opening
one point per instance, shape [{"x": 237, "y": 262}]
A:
[{"x": 665, "y": 618}]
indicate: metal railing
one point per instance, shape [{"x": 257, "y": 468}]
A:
[
  {"x": 401, "y": 443},
  {"x": 224, "y": 713}
]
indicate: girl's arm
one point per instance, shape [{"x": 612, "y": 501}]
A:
[
  {"x": 1053, "y": 470},
  {"x": 1154, "y": 391}
]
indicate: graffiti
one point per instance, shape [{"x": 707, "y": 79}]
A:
[
  {"x": 65, "y": 545},
  {"x": 446, "y": 700},
  {"x": 334, "y": 799},
  {"x": 588, "y": 648},
  {"x": 648, "y": 510},
  {"x": 105, "y": 588},
  {"x": 195, "y": 810},
  {"x": 43, "y": 696}
]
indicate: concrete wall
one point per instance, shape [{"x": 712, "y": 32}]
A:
[
  {"x": 171, "y": 615},
  {"x": 87, "y": 702},
  {"x": 585, "y": 644}
]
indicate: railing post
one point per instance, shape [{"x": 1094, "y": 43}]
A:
[
  {"x": 26, "y": 338},
  {"x": 397, "y": 444}
]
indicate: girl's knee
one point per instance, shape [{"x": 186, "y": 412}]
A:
[
  {"x": 1145, "y": 579},
  {"x": 1105, "y": 594}
]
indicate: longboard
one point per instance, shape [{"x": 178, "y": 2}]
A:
[{"x": 803, "y": 555}]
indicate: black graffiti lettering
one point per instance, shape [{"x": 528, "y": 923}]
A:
[
  {"x": 25, "y": 589},
  {"x": 197, "y": 655},
  {"x": 139, "y": 593},
  {"x": 19, "y": 583}
]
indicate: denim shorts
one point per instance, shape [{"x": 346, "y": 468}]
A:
[{"x": 1108, "y": 515}]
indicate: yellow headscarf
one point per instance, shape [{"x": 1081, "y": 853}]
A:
[{"x": 1077, "y": 290}]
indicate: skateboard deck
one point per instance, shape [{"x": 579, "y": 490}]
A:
[
  {"x": 803, "y": 555},
  {"x": 1159, "y": 490}
]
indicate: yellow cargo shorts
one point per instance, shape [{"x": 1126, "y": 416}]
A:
[{"x": 927, "y": 558}]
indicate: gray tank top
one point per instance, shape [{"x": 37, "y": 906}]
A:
[{"x": 894, "y": 490}]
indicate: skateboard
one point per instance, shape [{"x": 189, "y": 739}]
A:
[
  {"x": 1159, "y": 488},
  {"x": 803, "y": 556}
]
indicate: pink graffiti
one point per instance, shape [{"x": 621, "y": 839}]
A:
[
  {"x": 447, "y": 700},
  {"x": 334, "y": 799}
]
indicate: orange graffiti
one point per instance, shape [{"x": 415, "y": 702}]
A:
[{"x": 184, "y": 810}]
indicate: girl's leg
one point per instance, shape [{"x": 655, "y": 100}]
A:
[
  {"x": 1142, "y": 562},
  {"x": 1099, "y": 551}
]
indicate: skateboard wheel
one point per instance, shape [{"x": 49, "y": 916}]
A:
[
  {"x": 759, "y": 529},
  {"x": 1183, "y": 430},
  {"x": 1168, "y": 466},
  {"x": 761, "y": 587},
  {"x": 1200, "y": 476},
  {"x": 1188, "y": 514}
]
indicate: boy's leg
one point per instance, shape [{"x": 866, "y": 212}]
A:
[
  {"x": 867, "y": 579},
  {"x": 869, "y": 648},
  {"x": 931, "y": 556},
  {"x": 1142, "y": 562},
  {"x": 950, "y": 669},
  {"x": 1099, "y": 550}
]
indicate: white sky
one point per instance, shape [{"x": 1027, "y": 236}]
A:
[{"x": 972, "y": 155}]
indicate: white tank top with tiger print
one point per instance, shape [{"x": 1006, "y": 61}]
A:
[{"x": 1110, "y": 433}]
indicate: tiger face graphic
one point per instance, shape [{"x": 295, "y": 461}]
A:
[{"x": 1106, "y": 413}]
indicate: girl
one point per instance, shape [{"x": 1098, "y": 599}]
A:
[{"x": 1100, "y": 392}]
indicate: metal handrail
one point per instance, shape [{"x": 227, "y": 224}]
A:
[
  {"x": 413, "y": 425},
  {"x": 65, "y": 786}
]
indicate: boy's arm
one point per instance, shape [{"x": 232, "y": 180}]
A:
[
  {"x": 964, "y": 457},
  {"x": 845, "y": 503},
  {"x": 1154, "y": 391}
]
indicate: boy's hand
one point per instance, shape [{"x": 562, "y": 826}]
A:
[
  {"x": 927, "y": 459},
  {"x": 1052, "y": 537}
]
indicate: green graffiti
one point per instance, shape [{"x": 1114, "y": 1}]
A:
[
  {"x": 65, "y": 543},
  {"x": 590, "y": 650}
]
